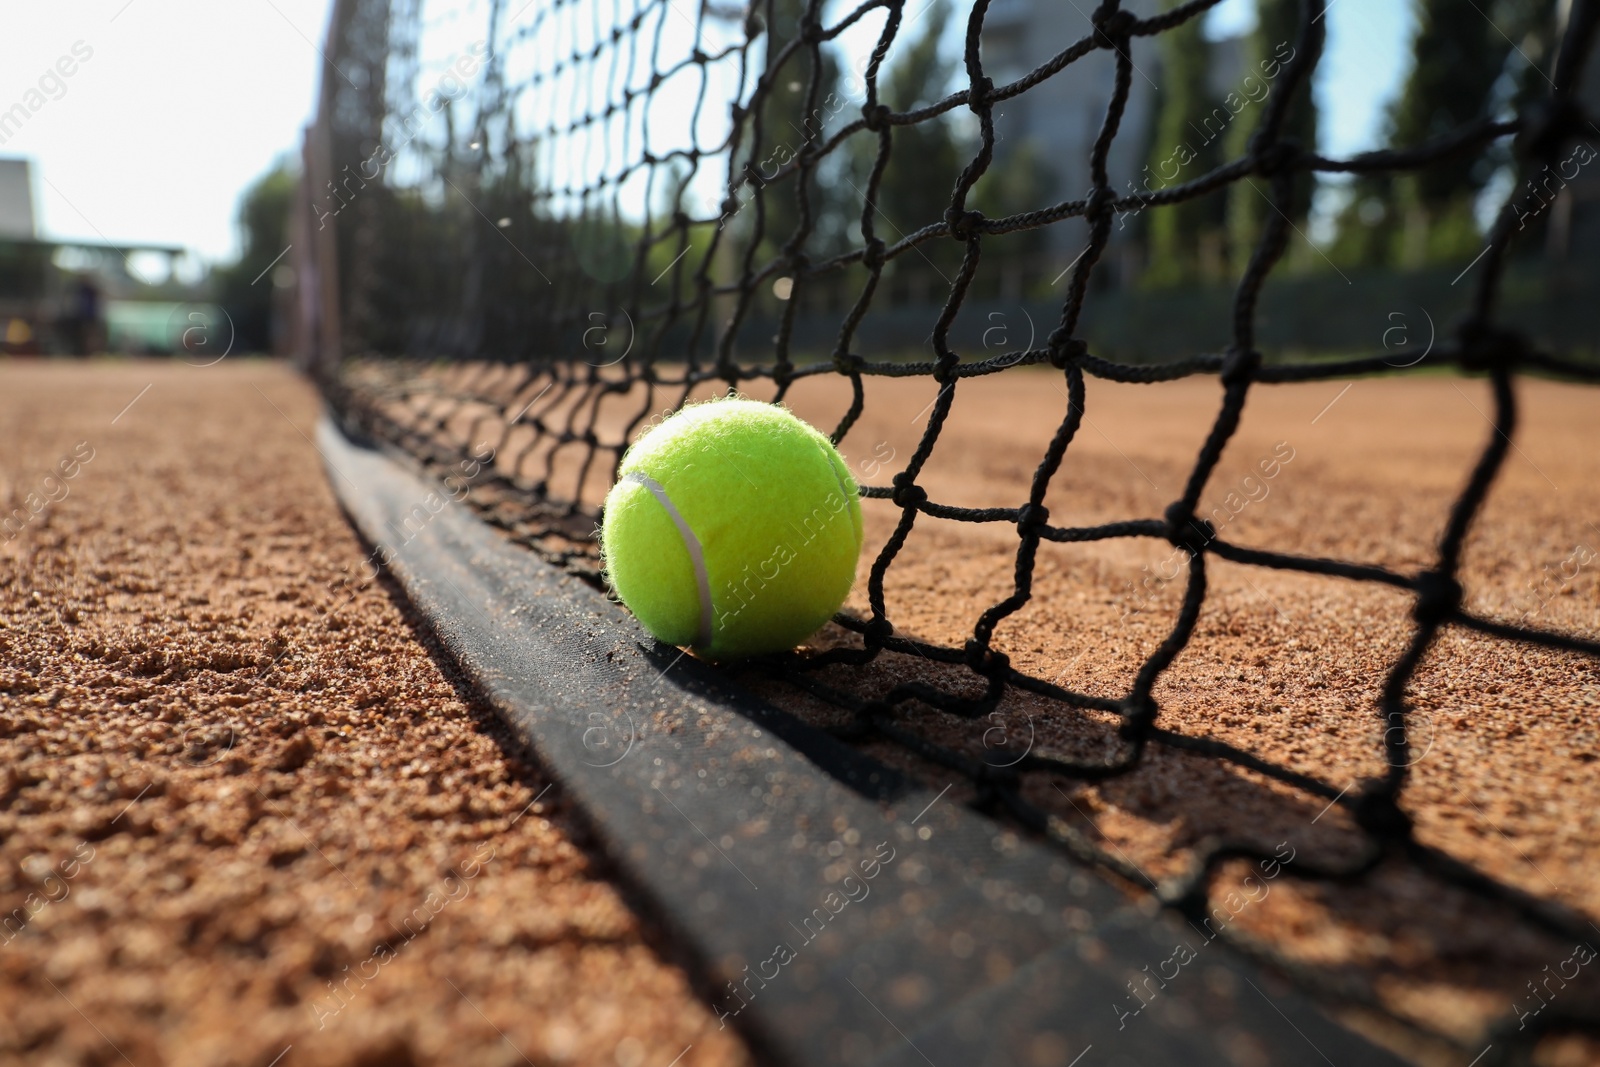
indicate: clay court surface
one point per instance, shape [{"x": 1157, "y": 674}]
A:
[
  {"x": 1288, "y": 667},
  {"x": 271, "y": 779},
  {"x": 253, "y": 779}
]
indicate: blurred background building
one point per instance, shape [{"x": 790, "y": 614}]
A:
[
  {"x": 80, "y": 297},
  {"x": 1050, "y": 129}
]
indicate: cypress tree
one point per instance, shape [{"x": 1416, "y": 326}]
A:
[
  {"x": 791, "y": 122},
  {"x": 1469, "y": 59},
  {"x": 1190, "y": 130},
  {"x": 925, "y": 159},
  {"x": 1273, "y": 42}
]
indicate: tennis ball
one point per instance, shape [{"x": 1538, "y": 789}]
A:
[{"x": 733, "y": 529}]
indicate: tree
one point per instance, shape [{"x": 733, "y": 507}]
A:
[
  {"x": 1366, "y": 233},
  {"x": 925, "y": 159},
  {"x": 1470, "y": 59},
  {"x": 1019, "y": 181},
  {"x": 1186, "y": 143},
  {"x": 245, "y": 289},
  {"x": 1272, "y": 46},
  {"x": 1459, "y": 54},
  {"x": 801, "y": 97}
]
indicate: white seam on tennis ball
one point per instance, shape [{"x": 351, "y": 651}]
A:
[
  {"x": 691, "y": 544},
  {"x": 828, "y": 454},
  {"x": 843, "y": 489}
]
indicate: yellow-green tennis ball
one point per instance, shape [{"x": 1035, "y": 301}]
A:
[{"x": 733, "y": 529}]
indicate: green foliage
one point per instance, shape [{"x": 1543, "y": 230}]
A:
[
  {"x": 1460, "y": 53},
  {"x": 1471, "y": 59},
  {"x": 1368, "y": 225},
  {"x": 1453, "y": 235},
  {"x": 925, "y": 159},
  {"x": 25, "y": 270},
  {"x": 459, "y": 266},
  {"x": 1531, "y": 24},
  {"x": 416, "y": 274},
  {"x": 803, "y": 97},
  {"x": 1273, "y": 44},
  {"x": 675, "y": 256},
  {"x": 1022, "y": 181},
  {"x": 264, "y": 233},
  {"x": 1187, "y": 142}
]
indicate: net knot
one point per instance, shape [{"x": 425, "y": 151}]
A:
[
  {"x": 872, "y": 256},
  {"x": 878, "y": 631},
  {"x": 1138, "y": 712},
  {"x": 1546, "y": 126},
  {"x": 1065, "y": 349},
  {"x": 1377, "y": 813},
  {"x": 1099, "y": 199},
  {"x": 876, "y": 116},
  {"x": 907, "y": 494},
  {"x": 1112, "y": 25},
  {"x": 982, "y": 90},
  {"x": 1277, "y": 157},
  {"x": 1030, "y": 518},
  {"x": 1438, "y": 597},
  {"x": 963, "y": 225},
  {"x": 1486, "y": 347},
  {"x": 1239, "y": 365},
  {"x": 985, "y": 660},
  {"x": 1187, "y": 532},
  {"x": 810, "y": 30}
]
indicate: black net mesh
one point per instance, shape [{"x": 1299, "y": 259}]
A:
[{"x": 582, "y": 211}]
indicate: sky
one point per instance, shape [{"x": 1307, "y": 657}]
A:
[
  {"x": 181, "y": 104},
  {"x": 1362, "y": 65}
]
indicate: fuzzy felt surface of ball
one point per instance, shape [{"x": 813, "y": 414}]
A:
[{"x": 734, "y": 529}]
